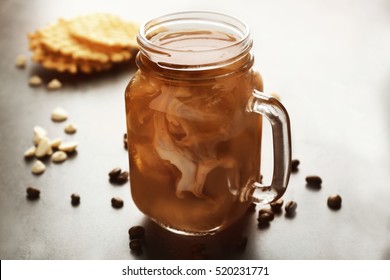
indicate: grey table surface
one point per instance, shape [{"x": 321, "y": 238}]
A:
[{"x": 328, "y": 60}]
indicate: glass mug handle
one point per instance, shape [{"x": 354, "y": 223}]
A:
[{"x": 277, "y": 115}]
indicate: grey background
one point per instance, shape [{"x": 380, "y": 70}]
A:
[{"x": 328, "y": 60}]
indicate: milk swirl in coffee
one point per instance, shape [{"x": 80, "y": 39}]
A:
[{"x": 192, "y": 144}]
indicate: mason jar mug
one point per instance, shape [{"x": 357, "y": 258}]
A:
[{"x": 194, "y": 123}]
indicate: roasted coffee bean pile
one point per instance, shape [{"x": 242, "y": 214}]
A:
[
  {"x": 117, "y": 176},
  {"x": 266, "y": 215},
  {"x": 135, "y": 245},
  {"x": 315, "y": 182},
  {"x": 136, "y": 237},
  {"x": 136, "y": 232}
]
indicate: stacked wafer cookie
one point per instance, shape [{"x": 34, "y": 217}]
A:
[{"x": 86, "y": 43}]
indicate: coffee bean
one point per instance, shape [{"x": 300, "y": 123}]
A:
[
  {"x": 136, "y": 232},
  {"x": 291, "y": 207},
  {"x": 125, "y": 141},
  {"x": 264, "y": 219},
  {"x": 294, "y": 165},
  {"x": 276, "y": 206},
  {"x": 115, "y": 173},
  {"x": 136, "y": 245},
  {"x": 123, "y": 177},
  {"x": 334, "y": 202},
  {"x": 33, "y": 193},
  {"x": 75, "y": 199},
  {"x": 117, "y": 176},
  {"x": 117, "y": 202},
  {"x": 314, "y": 180},
  {"x": 267, "y": 211}
]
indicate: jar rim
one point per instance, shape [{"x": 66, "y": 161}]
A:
[{"x": 216, "y": 21}]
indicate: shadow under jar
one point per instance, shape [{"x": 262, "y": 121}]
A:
[{"x": 194, "y": 122}]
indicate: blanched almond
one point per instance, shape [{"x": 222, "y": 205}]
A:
[
  {"x": 40, "y": 130},
  {"x": 59, "y": 156},
  {"x": 21, "y": 61},
  {"x": 59, "y": 115},
  {"x": 38, "y": 167},
  {"x": 54, "y": 84},
  {"x": 39, "y": 133},
  {"x": 70, "y": 128},
  {"x": 55, "y": 143},
  {"x": 30, "y": 152},
  {"x": 43, "y": 148},
  {"x": 35, "y": 81},
  {"x": 68, "y": 147}
]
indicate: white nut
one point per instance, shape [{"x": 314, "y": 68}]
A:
[
  {"x": 40, "y": 130},
  {"x": 59, "y": 115},
  {"x": 21, "y": 61},
  {"x": 35, "y": 81},
  {"x": 30, "y": 152},
  {"x": 55, "y": 143},
  {"x": 68, "y": 147},
  {"x": 70, "y": 128},
  {"x": 43, "y": 148},
  {"x": 59, "y": 156},
  {"x": 54, "y": 84},
  {"x": 38, "y": 167},
  {"x": 39, "y": 133}
]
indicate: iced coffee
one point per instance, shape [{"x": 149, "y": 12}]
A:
[{"x": 193, "y": 143}]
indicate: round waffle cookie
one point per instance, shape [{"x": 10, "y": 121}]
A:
[
  {"x": 63, "y": 63},
  {"x": 56, "y": 48},
  {"x": 105, "y": 30},
  {"x": 56, "y": 38},
  {"x": 60, "y": 62}
]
